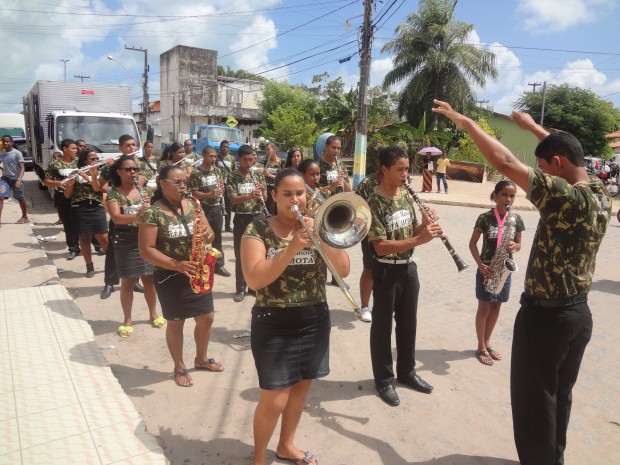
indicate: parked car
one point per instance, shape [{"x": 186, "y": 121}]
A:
[{"x": 19, "y": 143}]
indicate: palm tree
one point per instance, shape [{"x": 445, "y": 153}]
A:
[{"x": 433, "y": 61}]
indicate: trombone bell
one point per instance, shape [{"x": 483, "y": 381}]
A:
[{"x": 343, "y": 220}]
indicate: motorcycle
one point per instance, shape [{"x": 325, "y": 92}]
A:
[{"x": 609, "y": 176}]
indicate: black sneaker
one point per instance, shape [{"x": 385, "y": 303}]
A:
[
  {"x": 72, "y": 254},
  {"x": 90, "y": 270}
]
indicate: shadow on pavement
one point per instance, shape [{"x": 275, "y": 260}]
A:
[
  {"x": 180, "y": 450},
  {"x": 607, "y": 286},
  {"x": 437, "y": 361},
  {"x": 133, "y": 380}
]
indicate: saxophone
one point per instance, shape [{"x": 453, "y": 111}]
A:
[
  {"x": 206, "y": 256},
  {"x": 502, "y": 263}
]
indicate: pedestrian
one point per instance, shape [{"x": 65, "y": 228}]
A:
[
  {"x": 57, "y": 171},
  {"x": 13, "y": 169},
  {"x": 126, "y": 201},
  {"x": 488, "y": 226},
  {"x": 427, "y": 172},
  {"x": 554, "y": 324},
  {"x": 293, "y": 158},
  {"x": 273, "y": 165},
  {"x": 85, "y": 193},
  {"x": 290, "y": 320},
  {"x": 440, "y": 172},
  {"x": 393, "y": 236},
  {"x": 248, "y": 202},
  {"x": 207, "y": 184},
  {"x": 165, "y": 240}
]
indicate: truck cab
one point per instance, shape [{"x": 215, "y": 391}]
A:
[{"x": 212, "y": 134}]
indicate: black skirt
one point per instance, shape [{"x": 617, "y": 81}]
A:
[
  {"x": 290, "y": 345},
  {"x": 129, "y": 263},
  {"x": 89, "y": 217},
  {"x": 177, "y": 300}
]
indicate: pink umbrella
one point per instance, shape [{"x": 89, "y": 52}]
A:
[{"x": 431, "y": 150}]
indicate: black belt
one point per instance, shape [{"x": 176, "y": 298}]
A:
[{"x": 552, "y": 303}]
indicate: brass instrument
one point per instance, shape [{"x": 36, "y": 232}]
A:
[
  {"x": 424, "y": 210},
  {"x": 502, "y": 263},
  {"x": 314, "y": 202},
  {"x": 342, "y": 221},
  {"x": 75, "y": 174},
  {"x": 202, "y": 281},
  {"x": 221, "y": 196},
  {"x": 340, "y": 188}
]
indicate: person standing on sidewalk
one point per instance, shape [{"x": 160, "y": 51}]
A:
[
  {"x": 554, "y": 324},
  {"x": 394, "y": 234},
  {"x": 13, "y": 169},
  {"x": 228, "y": 164},
  {"x": 56, "y": 172},
  {"x": 440, "y": 172}
]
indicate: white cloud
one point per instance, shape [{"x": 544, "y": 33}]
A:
[
  {"x": 559, "y": 15},
  {"x": 378, "y": 70}
]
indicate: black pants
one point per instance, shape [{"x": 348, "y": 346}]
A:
[
  {"x": 110, "y": 275},
  {"x": 395, "y": 290},
  {"x": 547, "y": 348},
  {"x": 271, "y": 205},
  {"x": 240, "y": 222},
  {"x": 69, "y": 224},
  {"x": 228, "y": 206},
  {"x": 216, "y": 220}
]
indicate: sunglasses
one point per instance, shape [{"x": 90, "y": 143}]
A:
[
  {"x": 177, "y": 182},
  {"x": 295, "y": 149},
  {"x": 130, "y": 169}
]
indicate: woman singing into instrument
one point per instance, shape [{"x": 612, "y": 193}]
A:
[
  {"x": 87, "y": 211},
  {"x": 165, "y": 240},
  {"x": 126, "y": 201},
  {"x": 290, "y": 320}
]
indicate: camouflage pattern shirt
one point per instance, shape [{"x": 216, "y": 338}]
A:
[
  {"x": 172, "y": 239},
  {"x": 238, "y": 184},
  {"x": 573, "y": 221},
  {"x": 228, "y": 164},
  {"x": 58, "y": 170},
  {"x": 367, "y": 186},
  {"x": 392, "y": 219},
  {"x": 273, "y": 169},
  {"x": 148, "y": 168},
  {"x": 128, "y": 207},
  {"x": 206, "y": 180},
  {"x": 302, "y": 282},
  {"x": 83, "y": 190},
  {"x": 330, "y": 172},
  {"x": 487, "y": 225}
]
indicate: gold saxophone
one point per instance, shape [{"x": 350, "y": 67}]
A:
[
  {"x": 206, "y": 256},
  {"x": 502, "y": 263}
]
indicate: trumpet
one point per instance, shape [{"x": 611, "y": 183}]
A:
[
  {"x": 424, "y": 210},
  {"x": 342, "y": 221}
]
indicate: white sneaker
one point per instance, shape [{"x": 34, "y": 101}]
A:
[{"x": 366, "y": 315}]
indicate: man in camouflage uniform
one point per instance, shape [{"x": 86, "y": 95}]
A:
[
  {"x": 393, "y": 236},
  {"x": 207, "y": 184},
  {"x": 227, "y": 163},
  {"x": 554, "y": 323},
  {"x": 192, "y": 156},
  {"x": 248, "y": 201}
]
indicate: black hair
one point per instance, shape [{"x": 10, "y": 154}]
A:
[
  {"x": 501, "y": 185},
  {"x": 329, "y": 140},
  {"x": 208, "y": 149},
  {"x": 305, "y": 164},
  {"x": 66, "y": 143},
  {"x": 289, "y": 157},
  {"x": 245, "y": 150},
  {"x": 163, "y": 174},
  {"x": 389, "y": 155},
  {"x": 124, "y": 138},
  {"x": 9, "y": 136},
  {"x": 285, "y": 173},
  {"x": 82, "y": 156},
  {"x": 114, "y": 176},
  {"x": 167, "y": 155},
  {"x": 225, "y": 142},
  {"x": 561, "y": 143},
  {"x": 175, "y": 146}
]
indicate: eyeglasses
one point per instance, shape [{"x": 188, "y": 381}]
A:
[
  {"x": 177, "y": 182},
  {"x": 295, "y": 149},
  {"x": 130, "y": 169}
]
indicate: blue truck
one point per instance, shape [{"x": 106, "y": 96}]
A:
[{"x": 212, "y": 134}]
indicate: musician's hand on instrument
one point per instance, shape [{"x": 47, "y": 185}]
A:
[
  {"x": 511, "y": 247},
  {"x": 110, "y": 161},
  {"x": 485, "y": 270},
  {"x": 445, "y": 109},
  {"x": 300, "y": 238},
  {"x": 432, "y": 216},
  {"x": 187, "y": 267},
  {"x": 257, "y": 193}
]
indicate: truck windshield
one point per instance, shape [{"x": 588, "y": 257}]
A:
[
  {"x": 218, "y": 134},
  {"x": 96, "y": 130}
]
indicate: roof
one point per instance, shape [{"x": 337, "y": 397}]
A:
[
  {"x": 155, "y": 106},
  {"x": 613, "y": 135}
]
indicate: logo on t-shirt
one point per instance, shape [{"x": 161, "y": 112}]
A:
[
  {"x": 398, "y": 220},
  {"x": 178, "y": 230}
]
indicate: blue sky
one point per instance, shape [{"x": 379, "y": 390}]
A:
[{"x": 557, "y": 41}]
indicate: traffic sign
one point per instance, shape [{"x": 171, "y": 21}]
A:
[{"x": 232, "y": 122}]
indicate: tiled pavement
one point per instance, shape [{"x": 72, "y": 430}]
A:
[{"x": 61, "y": 404}]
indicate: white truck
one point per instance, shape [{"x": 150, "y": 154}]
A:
[{"x": 57, "y": 110}]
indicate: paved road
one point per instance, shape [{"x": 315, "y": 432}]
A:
[{"x": 466, "y": 420}]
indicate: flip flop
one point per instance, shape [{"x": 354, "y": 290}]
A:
[
  {"x": 210, "y": 361},
  {"x": 484, "y": 353},
  {"x": 306, "y": 459},
  {"x": 183, "y": 374},
  {"x": 494, "y": 354},
  {"x": 158, "y": 322},
  {"x": 124, "y": 331},
  {"x": 22, "y": 221}
]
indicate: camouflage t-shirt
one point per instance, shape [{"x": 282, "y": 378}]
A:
[
  {"x": 302, "y": 282},
  {"x": 184, "y": 165},
  {"x": 330, "y": 172},
  {"x": 238, "y": 184},
  {"x": 172, "y": 239},
  {"x": 487, "y": 225},
  {"x": 206, "y": 180},
  {"x": 367, "y": 186},
  {"x": 128, "y": 206},
  {"x": 148, "y": 168},
  {"x": 58, "y": 170},
  {"x": 83, "y": 190},
  {"x": 273, "y": 169},
  {"x": 392, "y": 219},
  {"x": 228, "y": 164},
  {"x": 573, "y": 221}
]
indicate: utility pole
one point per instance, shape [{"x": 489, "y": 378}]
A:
[
  {"x": 534, "y": 85},
  {"x": 361, "y": 124},
  {"x": 145, "y": 85},
  {"x": 65, "y": 63},
  {"x": 81, "y": 77},
  {"x": 174, "y": 123},
  {"x": 480, "y": 102},
  {"x": 542, "y": 111}
]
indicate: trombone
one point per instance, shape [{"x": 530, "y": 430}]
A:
[{"x": 342, "y": 221}]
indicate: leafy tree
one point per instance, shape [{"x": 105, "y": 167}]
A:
[
  {"x": 578, "y": 111},
  {"x": 290, "y": 126},
  {"x": 433, "y": 61}
]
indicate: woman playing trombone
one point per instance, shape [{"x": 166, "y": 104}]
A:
[{"x": 290, "y": 320}]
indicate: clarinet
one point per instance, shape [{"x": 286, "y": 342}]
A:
[
  {"x": 424, "y": 210},
  {"x": 340, "y": 188},
  {"x": 135, "y": 182},
  {"x": 265, "y": 210},
  {"x": 221, "y": 196}
]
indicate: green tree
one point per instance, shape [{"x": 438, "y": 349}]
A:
[
  {"x": 433, "y": 61},
  {"x": 578, "y": 111},
  {"x": 290, "y": 126}
]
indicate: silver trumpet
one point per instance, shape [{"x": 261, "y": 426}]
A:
[{"x": 342, "y": 221}]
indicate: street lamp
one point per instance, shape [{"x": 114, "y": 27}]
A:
[
  {"x": 144, "y": 99},
  {"x": 65, "y": 63}
]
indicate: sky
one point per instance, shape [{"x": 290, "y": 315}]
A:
[{"x": 535, "y": 41}]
